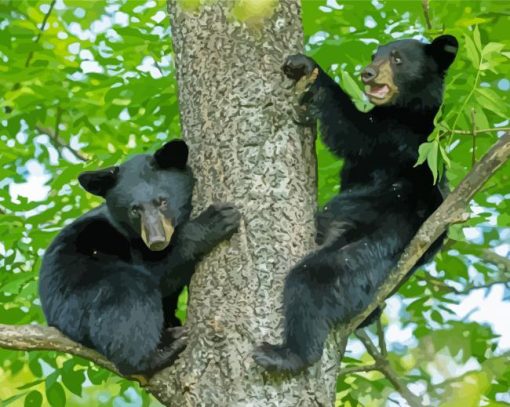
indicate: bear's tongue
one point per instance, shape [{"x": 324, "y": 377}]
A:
[{"x": 378, "y": 91}]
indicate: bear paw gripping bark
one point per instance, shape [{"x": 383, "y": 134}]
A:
[
  {"x": 303, "y": 70},
  {"x": 384, "y": 197},
  {"x": 111, "y": 279}
]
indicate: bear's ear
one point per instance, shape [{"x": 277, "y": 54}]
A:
[
  {"x": 173, "y": 154},
  {"x": 443, "y": 49},
  {"x": 100, "y": 181}
]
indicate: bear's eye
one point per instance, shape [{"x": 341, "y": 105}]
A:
[
  {"x": 134, "y": 212},
  {"x": 163, "y": 203},
  {"x": 396, "y": 58}
]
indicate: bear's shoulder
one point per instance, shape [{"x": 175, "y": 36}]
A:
[{"x": 93, "y": 234}]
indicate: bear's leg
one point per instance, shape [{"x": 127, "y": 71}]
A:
[
  {"x": 328, "y": 287},
  {"x": 306, "y": 315},
  {"x": 126, "y": 322}
]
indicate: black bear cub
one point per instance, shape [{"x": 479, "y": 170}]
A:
[
  {"x": 384, "y": 199},
  {"x": 110, "y": 280}
]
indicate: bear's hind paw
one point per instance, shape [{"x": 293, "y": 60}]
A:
[{"x": 276, "y": 358}]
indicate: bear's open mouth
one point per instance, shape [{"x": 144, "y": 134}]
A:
[{"x": 378, "y": 91}]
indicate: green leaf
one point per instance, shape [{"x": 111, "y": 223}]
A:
[
  {"x": 436, "y": 316},
  {"x": 432, "y": 159},
  {"x": 33, "y": 399},
  {"x": 34, "y": 364},
  {"x": 423, "y": 152},
  {"x": 490, "y": 100},
  {"x": 444, "y": 155},
  {"x": 73, "y": 380},
  {"x": 476, "y": 38},
  {"x": 52, "y": 379},
  {"x": 56, "y": 395},
  {"x": 30, "y": 384},
  {"x": 97, "y": 376},
  {"x": 471, "y": 51},
  {"x": 353, "y": 89},
  {"x": 492, "y": 47}
]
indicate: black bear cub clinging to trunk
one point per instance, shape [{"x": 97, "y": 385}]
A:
[
  {"x": 110, "y": 279},
  {"x": 384, "y": 197}
]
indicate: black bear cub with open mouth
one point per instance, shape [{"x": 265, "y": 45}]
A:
[{"x": 384, "y": 199}]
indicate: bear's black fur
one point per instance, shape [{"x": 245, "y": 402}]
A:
[
  {"x": 110, "y": 280},
  {"x": 384, "y": 197}
]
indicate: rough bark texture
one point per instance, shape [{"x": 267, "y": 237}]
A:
[{"x": 245, "y": 149}]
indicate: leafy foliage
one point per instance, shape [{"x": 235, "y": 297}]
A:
[{"x": 87, "y": 83}]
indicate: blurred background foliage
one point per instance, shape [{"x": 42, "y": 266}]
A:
[{"x": 85, "y": 84}]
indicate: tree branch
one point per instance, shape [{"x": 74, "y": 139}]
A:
[
  {"x": 494, "y": 258},
  {"x": 58, "y": 142},
  {"x": 8, "y": 109},
  {"x": 382, "y": 340},
  {"x": 359, "y": 369},
  {"x": 450, "y": 211},
  {"x": 485, "y": 254},
  {"x": 41, "y": 30},
  {"x": 37, "y": 337},
  {"x": 426, "y": 13},
  {"x": 382, "y": 364},
  {"x": 439, "y": 284}
]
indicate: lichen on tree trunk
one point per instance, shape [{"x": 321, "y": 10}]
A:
[{"x": 236, "y": 116}]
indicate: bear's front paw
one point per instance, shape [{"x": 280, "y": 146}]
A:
[
  {"x": 299, "y": 65},
  {"x": 223, "y": 220}
]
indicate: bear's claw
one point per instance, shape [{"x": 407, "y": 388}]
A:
[{"x": 297, "y": 66}]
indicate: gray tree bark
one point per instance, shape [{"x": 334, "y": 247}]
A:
[{"x": 245, "y": 149}]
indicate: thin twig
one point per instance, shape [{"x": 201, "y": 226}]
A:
[
  {"x": 439, "y": 284},
  {"x": 8, "y": 109},
  {"x": 473, "y": 136},
  {"x": 358, "y": 369},
  {"x": 496, "y": 259},
  {"x": 380, "y": 335},
  {"x": 483, "y": 253},
  {"x": 41, "y": 30},
  {"x": 385, "y": 368},
  {"x": 58, "y": 117},
  {"x": 469, "y": 288},
  {"x": 426, "y": 13},
  {"x": 59, "y": 143},
  {"x": 469, "y": 132}
]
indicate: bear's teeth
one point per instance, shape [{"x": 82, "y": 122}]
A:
[{"x": 378, "y": 91}]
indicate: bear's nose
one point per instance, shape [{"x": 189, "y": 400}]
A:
[
  {"x": 157, "y": 243},
  {"x": 368, "y": 74}
]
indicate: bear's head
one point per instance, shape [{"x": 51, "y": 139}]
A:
[
  {"x": 408, "y": 72},
  {"x": 147, "y": 196}
]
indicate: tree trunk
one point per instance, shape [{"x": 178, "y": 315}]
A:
[{"x": 245, "y": 148}]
